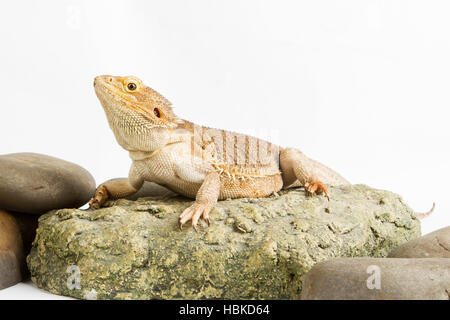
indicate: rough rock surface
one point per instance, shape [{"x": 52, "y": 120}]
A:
[
  {"x": 378, "y": 279},
  {"x": 254, "y": 248},
  {"x": 36, "y": 183},
  {"x": 17, "y": 232},
  {"x": 433, "y": 245}
]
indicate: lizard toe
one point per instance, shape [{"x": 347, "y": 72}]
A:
[
  {"x": 93, "y": 204},
  {"x": 205, "y": 216},
  {"x": 316, "y": 187},
  {"x": 100, "y": 196},
  {"x": 193, "y": 213}
]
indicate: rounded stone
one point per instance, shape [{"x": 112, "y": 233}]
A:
[
  {"x": 36, "y": 183},
  {"x": 253, "y": 249},
  {"x": 17, "y": 232},
  {"x": 378, "y": 279},
  {"x": 433, "y": 245}
]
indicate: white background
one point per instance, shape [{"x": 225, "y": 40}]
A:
[{"x": 362, "y": 86}]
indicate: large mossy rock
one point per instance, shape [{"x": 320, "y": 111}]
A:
[{"x": 254, "y": 248}]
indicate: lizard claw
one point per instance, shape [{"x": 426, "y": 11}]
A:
[
  {"x": 194, "y": 213},
  {"x": 100, "y": 196},
  {"x": 316, "y": 187}
]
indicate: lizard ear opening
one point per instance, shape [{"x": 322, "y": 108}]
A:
[{"x": 157, "y": 112}]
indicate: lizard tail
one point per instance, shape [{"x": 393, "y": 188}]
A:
[{"x": 425, "y": 214}]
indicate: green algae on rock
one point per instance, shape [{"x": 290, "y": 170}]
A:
[{"x": 254, "y": 248}]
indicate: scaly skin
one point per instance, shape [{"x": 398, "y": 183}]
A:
[{"x": 198, "y": 162}]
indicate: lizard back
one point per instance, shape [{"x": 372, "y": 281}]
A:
[{"x": 234, "y": 154}]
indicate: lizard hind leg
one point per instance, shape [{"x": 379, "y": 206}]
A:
[{"x": 299, "y": 170}]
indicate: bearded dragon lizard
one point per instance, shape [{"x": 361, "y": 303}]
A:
[{"x": 198, "y": 162}]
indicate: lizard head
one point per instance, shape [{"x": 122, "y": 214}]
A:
[{"x": 135, "y": 111}]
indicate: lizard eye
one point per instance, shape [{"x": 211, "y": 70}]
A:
[
  {"x": 131, "y": 86},
  {"x": 157, "y": 113}
]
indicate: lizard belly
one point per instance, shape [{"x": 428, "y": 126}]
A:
[
  {"x": 185, "y": 177},
  {"x": 163, "y": 171}
]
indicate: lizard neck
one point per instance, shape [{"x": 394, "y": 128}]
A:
[
  {"x": 135, "y": 133},
  {"x": 146, "y": 155},
  {"x": 174, "y": 137}
]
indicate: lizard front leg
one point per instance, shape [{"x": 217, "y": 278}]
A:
[
  {"x": 205, "y": 200},
  {"x": 116, "y": 189},
  {"x": 298, "y": 169}
]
